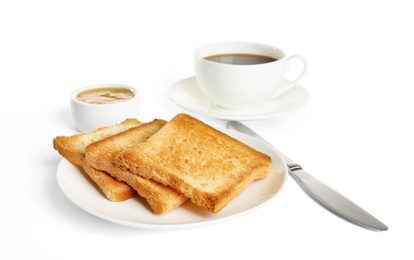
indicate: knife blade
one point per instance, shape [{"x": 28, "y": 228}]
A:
[{"x": 324, "y": 195}]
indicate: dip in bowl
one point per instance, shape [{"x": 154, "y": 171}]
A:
[{"x": 102, "y": 105}]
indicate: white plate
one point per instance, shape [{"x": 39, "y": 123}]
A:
[
  {"x": 135, "y": 212},
  {"x": 186, "y": 94}
]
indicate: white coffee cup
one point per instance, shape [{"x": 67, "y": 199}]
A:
[
  {"x": 242, "y": 87},
  {"x": 89, "y": 117}
]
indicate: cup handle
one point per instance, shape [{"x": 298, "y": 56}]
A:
[{"x": 305, "y": 66}]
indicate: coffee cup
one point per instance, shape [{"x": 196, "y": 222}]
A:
[{"x": 242, "y": 75}]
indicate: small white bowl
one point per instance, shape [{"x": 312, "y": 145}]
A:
[{"x": 89, "y": 117}]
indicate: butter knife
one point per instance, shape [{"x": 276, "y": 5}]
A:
[{"x": 320, "y": 192}]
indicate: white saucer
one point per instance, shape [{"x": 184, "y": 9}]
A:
[{"x": 186, "y": 94}]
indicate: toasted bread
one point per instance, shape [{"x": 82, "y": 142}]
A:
[
  {"x": 206, "y": 165},
  {"x": 101, "y": 155},
  {"x": 113, "y": 189},
  {"x": 73, "y": 149}
]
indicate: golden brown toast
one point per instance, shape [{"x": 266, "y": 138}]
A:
[
  {"x": 113, "y": 189},
  {"x": 208, "y": 166},
  {"x": 73, "y": 149},
  {"x": 101, "y": 155}
]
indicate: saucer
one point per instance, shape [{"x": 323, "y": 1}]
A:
[{"x": 186, "y": 94}]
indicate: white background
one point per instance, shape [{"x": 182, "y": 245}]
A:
[{"x": 355, "y": 134}]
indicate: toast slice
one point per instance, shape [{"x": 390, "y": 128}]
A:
[
  {"x": 73, "y": 148},
  {"x": 113, "y": 189},
  {"x": 101, "y": 156},
  {"x": 208, "y": 166}
]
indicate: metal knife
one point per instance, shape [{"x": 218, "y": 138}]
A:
[{"x": 320, "y": 192}]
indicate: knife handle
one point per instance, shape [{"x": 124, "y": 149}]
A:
[
  {"x": 318, "y": 191},
  {"x": 335, "y": 202}
]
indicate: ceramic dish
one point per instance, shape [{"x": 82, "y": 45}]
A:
[
  {"x": 186, "y": 94},
  {"x": 136, "y": 212},
  {"x": 89, "y": 117}
]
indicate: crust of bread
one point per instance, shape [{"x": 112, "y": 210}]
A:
[
  {"x": 73, "y": 149},
  {"x": 206, "y": 165},
  {"x": 101, "y": 155},
  {"x": 113, "y": 189}
]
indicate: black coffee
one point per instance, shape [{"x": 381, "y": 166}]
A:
[{"x": 240, "y": 59}]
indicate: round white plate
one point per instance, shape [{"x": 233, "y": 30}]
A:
[
  {"x": 186, "y": 94},
  {"x": 135, "y": 212}
]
